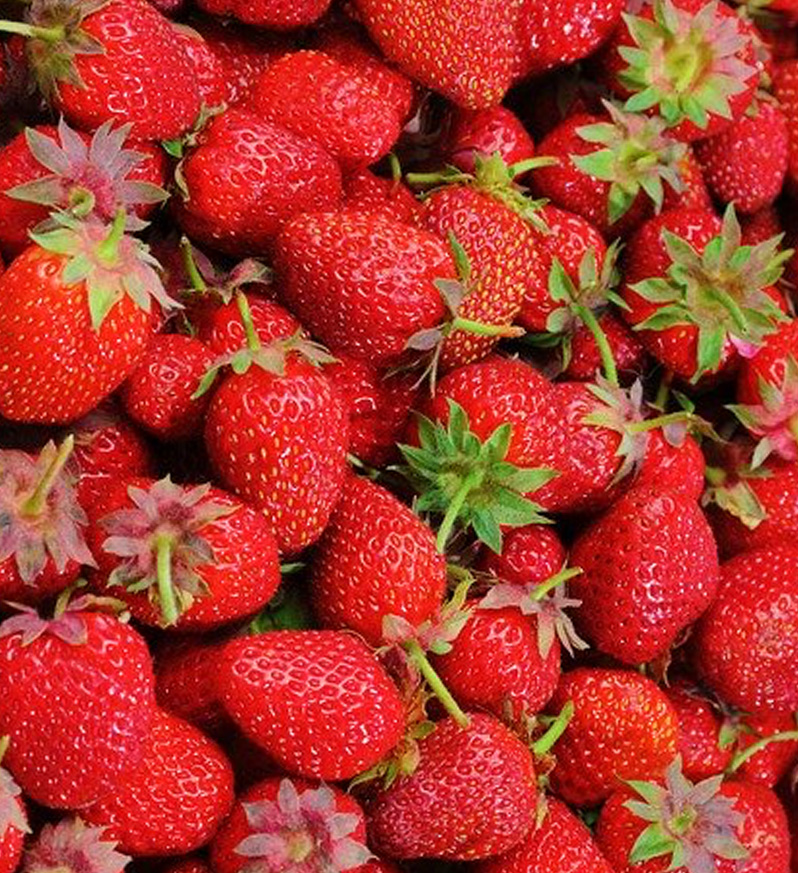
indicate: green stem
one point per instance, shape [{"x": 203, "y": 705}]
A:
[
  {"x": 423, "y": 180},
  {"x": 469, "y": 483},
  {"x": 659, "y": 421},
  {"x": 422, "y": 664},
  {"x": 521, "y": 167},
  {"x": 549, "y": 584},
  {"x": 48, "y": 34},
  {"x": 36, "y": 503},
  {"x": 557, "y": 728},
  {"x": 108, "y": 249},
  {"x": 741, "y": 757},
  {"x": 664, "y": 390},
  {"x": 585, "y": 313},
  {"x": 253, "y": 341},
  {"x": 479, "y": 328},
  {"x": 166, "y": 592},
  {"x": 792, "y": 426},
  {"x": 715, "y": 475},
  {"x": 192, "y": 271},
  {"x": 396, "y": 170},
  {"x": 4, "y": 741}
]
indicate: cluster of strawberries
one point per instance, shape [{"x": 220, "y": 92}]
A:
[{"x": 398, "y": 436}]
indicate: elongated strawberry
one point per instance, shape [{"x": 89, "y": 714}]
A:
[
  {"x": 77, "y": 700},
  {"x": 73, "y": 846},
  {"x": 81, "y": 293},
  {"x": 351, "y": 711}
]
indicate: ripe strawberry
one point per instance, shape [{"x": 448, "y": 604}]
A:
[
  {"x": 72, "y": 845},
  {"x": 218, "y": 324},
  {"x": 209, "y": 71},
  {"x": 623, "y": 728},
  {"x": 484, "y": 132},
  {"x": 351, "y": 712},
  {"x": 702, "y": 746},
  {"x": 363, "y": 284},
  {"x": 279, "y": 823},
  {"x": 746, "y": 164},
  {"x": 190, "y": 864},
  {"x": 584, "y": 358},
  {"x": 760, "y": 226},
  {"x": 192, "y": 556},
  {"x": 672, "y": 463},
  {"x": 282, "y": 15},
  {"x": 698, "y": 298},
  {"x": 119, "y": 60},
  {"x": 785, "y": 87},
  {"x": 690, "y": 62},
  {"x": 246, "y": 177},
  {"x": 694, "y": 193},
  {"x": 650, "y": 569},
  {"x": 13, "y": 820},
  {"x": 439, "y": 46},
  {"x": 746, "y": 645},
  {"x": 532, "y": 553},
  {"x": 76, "y": 699},
  {"x": 375, "y": 559},
  {"x": 174, "y": 800},
  {"x": 559, "y": 843},
  {"x": 472, "y": 795},
  {"x": 776, "y": 740},
  {"x": 342, "y": 111},
  {"x": 366, "y": 192},
  {"x": 78, "y": 294}
]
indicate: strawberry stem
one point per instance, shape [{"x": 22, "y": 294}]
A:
[
  {"x": 422, "y": 180},
  {"x": 741, "y": 757},
  {"x": 108, "y": 250},
  {"x": 549, "y": 584},
  {"x": 48, "y": 34},
  {"x": 588, "y": 318},
  {"x": 472, "y": 480},
  {"x": 479, "y": 328},
  {"x": 422, "y": 664},
  {"x": 664, "y": 390},
  {"x": 4, "y": 741},
  {"x": 253, "y": 341},
  {"x": 659, "y": 421},
  {"x": 521, "y": 167},
  {"x": 194, "y": 275},
  {"x": 166, "y": 593},
  {"x": 36, "y": 503},
  {"x": 557, "y": 728}
]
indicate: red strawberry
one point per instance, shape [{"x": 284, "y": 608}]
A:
[
  {"x": 209, "y": 71},
  {"x": 13, "y": 820},
  {"x": 79, "y": 294},
  {"x": 280, "y": 15},
  {"x": 746, "y": 645},
  {"x": 702, "y": 745},
  {"x": 465, "y": 49},
  {"x": 472, "y": 795},
  {"x": 218, "y": 324},
  {"x": 559, "y": 843},
  {"x": 584, "y": 357},
  {"x": 157, "y": 395},
  {"x": 76, "y": 699},
  {"x": 246, "y": 177},
  {"x": 694, "y": 193},
  {"x": 772, "y": 742},
  {"x": 280, "y": 823},
  {"x": 342, "y": 111},
  {"x": 174, "y": 800},
  {"x": 366, "y": 192},
  {"x": 623, "y": 728},
  {"x": 672, "y": 464},
  {"x": 72, "y": 845},
  {"x": 761, "y": 226},
  {"x": 785, "y": 87},
  {"x": 351, "y": 712},
  {"x": 530, "y": 554},
  {"x": 196, "y": 557},
  {"x": 483, "y": 133},
  {"x": 364, "y": 284},
  {"x": 188, "y": 865},
  {"x": 650, "y": 569}
]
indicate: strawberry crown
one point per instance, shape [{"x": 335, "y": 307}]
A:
[
  {"x": 87, "y": 178},
  {"x": 162, "y": 545},
  {"x": 722, "y": 292},
  {"x": 111, "y": 263},
  {"x": 468, "y": 481},
  {"x": 42, "y": 518},
  {"x": 70, "y": 846},
  {"x": 683, "y": 64},
  {"x": 693, "y": 823},
  {"x": 301, "y": 831},
  {"x": 733, "y": 493},
  {"x": 637, "y": 155},
  {"x": 68, "y": 623},
  {"x": 205, "y": 278}
]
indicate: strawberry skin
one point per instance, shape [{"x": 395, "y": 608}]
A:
[
  {"x": 328, "y": 681},
  {"x": 785, "y": 87},
  {"x": 483, "y": 133},
  {"x": 185, "y": 682},
  {"x": 282, "y": 15},
  {"x": 699, "y": 732},
  {"x": 530, "y": 554}
]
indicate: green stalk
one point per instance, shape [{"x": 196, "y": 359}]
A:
[
  {"x": 585, "y": 313},
  {"x": 422, "y": 180},
  {"x": 557, "y": 728},
  {"x": 741, "y": 757},
  {"x": 549, "y": 584},
  {"x": 792, "y": 426},
  {"x": 108, "y": 249},
  {"x": 469, "y": 483},
  {"x": 659, "y": 421},
  {"x": 4, "y": 741},
  {"x": 479, "y": 328},
  {"x": 166, "y": 592},
  {"x": 48, "y": 34},
  {"x": 422, "y": 664},
  {"x": 521, "y": 167},
  {"x": 194, "y": 275},
  {"x": 715, "y": 476},
  {"x": 253, "y": 341},
  {"x": 36, "y": 503}
]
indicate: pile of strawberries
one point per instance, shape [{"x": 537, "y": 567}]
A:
[{"x": 398, "y": 436}]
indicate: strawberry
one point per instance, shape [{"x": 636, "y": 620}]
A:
[
  {"x": 366, "y": 192},
  {"x": 676, "y": 825},
  {"x": 690, "y": 62},
  {"x": 192, "y": 556},
  {"x": 190, "y": 864},
  {"x": 746, "y": 645},
  {"x": 351, "y": 710},
  {"x": 530, "y": 554},
  {"x": 13, "y": 819},
  {"x": 672, "y": 464},
  {"x": 174, "y": 800},
  {"x": 363, "y": 284},
  {"x": 280, "y": 823},
  {"x": 702, "y": 745},
  {"x": 43, "y": 544},
  {"x": 623, "y": 728},
  {"x": 72, "y": 845},
  {"x": 113, "y": 59},
  {"x": 699, "y": 298},
  {"x": 760, "y": 226},
  {"x": 376, "y": 558},
  {"x": 771, "y": 742},
  {"x": 746, "y": 164},
  {"x": 694, "y": 193},
  {"x": 80, "y": 293},
  {"x": 282, "y": 15},
  {"x": 209, "y": 71},
  {"x": 558, "y": 843},
  {"x": 650, "y": 569},
  {"x": 342, "y": 111},
  {"x": 484, "y": 132},
  {"x": 439, "y": 46},
  {"x": 246, "y": 177},
  {"x": 76, "y": 699},
  {"x": 785, "y": 87},
  {"x": 583, "y": 359}
]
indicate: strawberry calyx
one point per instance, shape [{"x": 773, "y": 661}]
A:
[
  {"x": 683, "y": 64},
  {"x": 636, "y": 156},
  {"x": 735, "y": 726},
  {"x": 161, "y": 542},
  {"x": 723, "y": 292},
  {"x": 548, "y": 601},
  {"x": 469, "y": 482},
  {"x": 42, "y": 518},
  {"x": 70, "y": 846},
  {"x": 206, "y": 279},
  {"x": 301, "y": 830},
  {"x": 733, "y": 494},
  {"x": 87, "y": 178},
  {"x": 12, "y": 814},
  {"x": 693, "y": 823}
]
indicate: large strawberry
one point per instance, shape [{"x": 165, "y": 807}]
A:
[
  {"x": 76, "y": 699},
  {"x": 81, "y": 294},
  {"x": 330, "y": 682}
]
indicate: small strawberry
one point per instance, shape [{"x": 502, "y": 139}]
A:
[
  {"x": 280, "y": 15},
  {"x": 351, "y": 712},
  {"x": 72, "y": 846},
  {"x": 785, "y": 87},
  {"x": 532, "y": 553},
  {"x": 366, "y": 192},
  {"x": 765, "y": 746},
  {"x": 694, "y": 193},
  {"x": 76, "y": 699},
  {"x": 702, "y": 739},
  {"x": 484, "y": 132}
]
